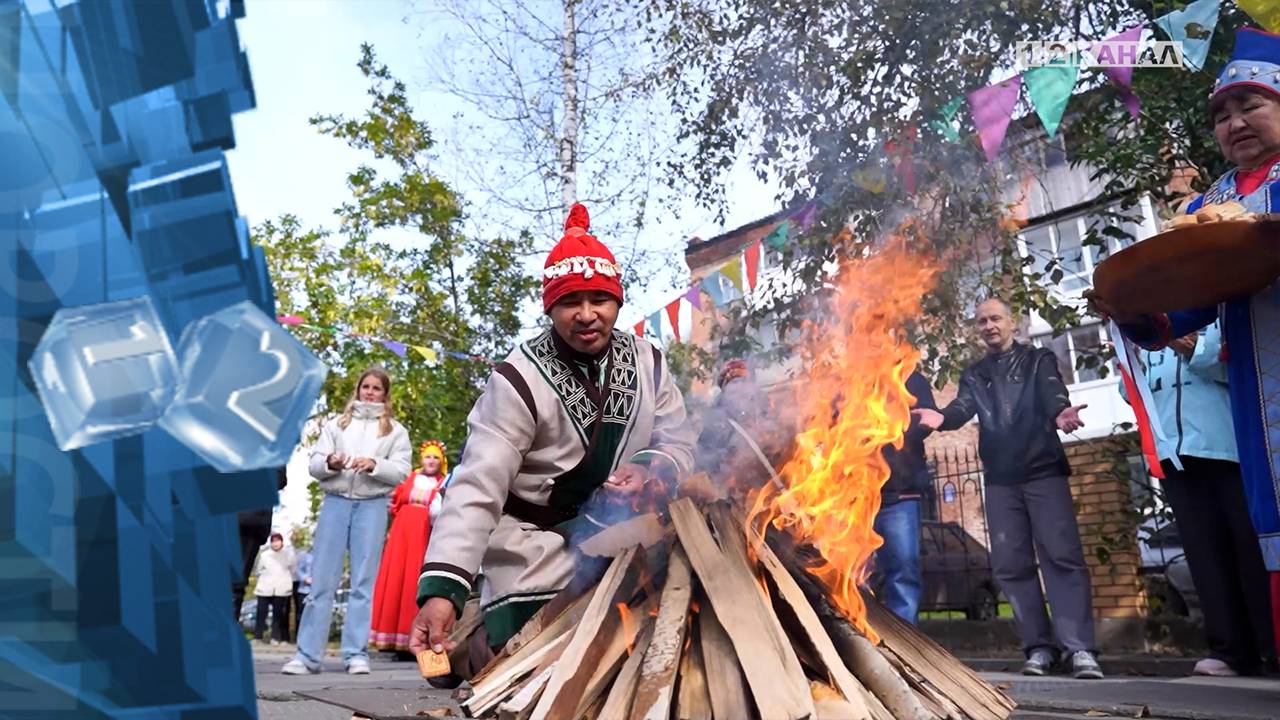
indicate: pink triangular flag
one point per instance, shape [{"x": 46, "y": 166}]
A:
[
  {"x": 752, "y": 256},
  {"x": 1132, "y": 102},
  {"x": 290, "y": 320},
  {"x": 992, "y": 108},
  {"x": 673, "y": 314},
  {"x": 694, "y": 296},
  {"x": 1118, "y": 55}
]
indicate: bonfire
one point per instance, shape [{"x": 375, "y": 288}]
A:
[{"x": 726, "y": 606}]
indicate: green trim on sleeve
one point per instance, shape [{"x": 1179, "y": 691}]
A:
[{"x": 430, "y": 586}]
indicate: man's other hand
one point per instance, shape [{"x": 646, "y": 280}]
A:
[
  {"x": 1068, "y": 421},
  {"x": 432, "y": 626},
  {"x": 931, "y": 419}
]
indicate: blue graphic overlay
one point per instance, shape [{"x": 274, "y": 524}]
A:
[
  {"x": 104, "y": 371},
  {"x": 248, "y": 387},
  {"x": 117, "y": 557}
]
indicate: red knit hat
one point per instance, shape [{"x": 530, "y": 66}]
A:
[{"x": 579, "y": 262}]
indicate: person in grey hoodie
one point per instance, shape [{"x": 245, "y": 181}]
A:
[
  {"x": 1188, "y": 383},
  {"x": 361, "y": 456}
]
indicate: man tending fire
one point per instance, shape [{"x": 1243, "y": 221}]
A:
[{"x": 570, "y": 427}]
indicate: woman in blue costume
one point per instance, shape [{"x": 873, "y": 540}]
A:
[{"x": 1245, "y": 109}]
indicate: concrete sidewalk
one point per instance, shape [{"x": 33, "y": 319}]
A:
[{"x": 396, "y": 687}]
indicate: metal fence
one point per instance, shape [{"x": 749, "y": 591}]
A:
[{"x": 955, "y": 544}]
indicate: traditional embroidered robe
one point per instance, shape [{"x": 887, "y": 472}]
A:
[
  {"x": 1251, "y": 331},
  {"x": 547, "y": 432}
]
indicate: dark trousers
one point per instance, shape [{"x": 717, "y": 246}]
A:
[
  {"x": 1032, "y": 521},
  {"x": 1224, "y": 557},
  {"x": 279, "y": 618}
]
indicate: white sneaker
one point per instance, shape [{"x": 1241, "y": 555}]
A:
[
  {"x": 1214, "y": 668},
  {"x": 297, "y": 667},
  {"x": 358, "y": 666}
]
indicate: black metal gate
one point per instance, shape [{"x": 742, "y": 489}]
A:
[{"x": 955, "y": 544}]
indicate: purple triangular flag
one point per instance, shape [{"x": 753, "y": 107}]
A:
[
  {"x": 992, "y": 108},
  {"x": 1132, "y": 102},
  {"x": 694, "y": 296},
  {"x": 807, "y": 215},
  {"x": 395, "y": 347}
]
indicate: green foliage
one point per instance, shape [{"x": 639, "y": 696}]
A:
[
  {"x": 689, "y": 363},
  {"x": 438, "y": 286},
  {"x": 813, "y": 91}
]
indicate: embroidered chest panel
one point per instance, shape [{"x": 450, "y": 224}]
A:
[
  {"x": 623, "y": 385},
  {"x": 1258, "y": 201}
]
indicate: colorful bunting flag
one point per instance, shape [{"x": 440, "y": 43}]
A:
[
  {"x": 639, "y": 328},
  {"x": 992, "y": 108},
  {"x": 778, "y": 238},
  {"x": 1049, "y": 88},
  {"x": 945, "y": 123},
  {"x": 807, "y": 216},
  {"x": 733, "y": 271},
  {"x": 1107, "y": 53},
  {"x": 673, "y": 314},
  {"x": 290, "y": 320},
  {"x": 752, "y": 258},
  {"x": 711, "y": 286},
  {"x": 694, "y": 296},
  {"x": 395, "y": 347},
  {"x": 1192, "y": 26},
  {"x": 427, "y": 353},
  {"x": 1265, "y": 12},
  {"x": 655, "y": 324}
]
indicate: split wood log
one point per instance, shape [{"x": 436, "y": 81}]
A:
[
  {"x": 773, "y": 672},
  {"x": 724, "y": 676},
  {"x": 555, "y": 618},
  {"x": 471, "y": 619},
  {"x": 954, "y": 680},
  {"x": 662, "y": 658},
  {"x": 625, "y": 637},
  {"x": 791, "y": 594},
  {"x": 830, "y": 703},
  {"x": 861, "y": 657},
  {"x": 499, "y": 685},
  {"x": 520, "y": 705},
  {"x": 590, "y": 638},
  {"x": 643, "y": 530},
  {"x": 693, "y": 701},
  {"x": 618, "y": 701}
]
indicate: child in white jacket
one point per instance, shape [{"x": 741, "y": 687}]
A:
[
  {"x": 273, "y": 589},
  {"x": 359, "y": 459}
]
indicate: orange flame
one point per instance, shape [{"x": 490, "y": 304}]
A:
[
  {"x": 853, "y": 402},
  {"x": 628, "y": 626}
]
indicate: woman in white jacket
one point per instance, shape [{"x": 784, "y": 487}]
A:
[
  {"x": 359, "y": 459},
  {"x": 273, "y": 589}
]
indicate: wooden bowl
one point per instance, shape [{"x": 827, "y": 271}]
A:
[{"x": 1192, "y": 266}]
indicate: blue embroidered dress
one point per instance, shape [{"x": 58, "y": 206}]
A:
[{"x": 1250, "y": 325}]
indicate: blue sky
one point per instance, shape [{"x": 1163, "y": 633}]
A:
[{"x": 302, "y": 54}]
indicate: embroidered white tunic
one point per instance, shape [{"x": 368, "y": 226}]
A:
[{"x": 541, "y": 435}]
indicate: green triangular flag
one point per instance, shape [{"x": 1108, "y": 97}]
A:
[
  {"x": 778, "y": 238},
  {"x": 945, "y": 123},
  {"x": 733, "y": 271},
  {"x": 1050, "y": 88}
]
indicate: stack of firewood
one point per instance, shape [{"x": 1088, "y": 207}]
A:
[{"x": 711, "y": 623}]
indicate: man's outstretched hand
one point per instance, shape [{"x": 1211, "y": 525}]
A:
[
  {"x": 931, "y": 419},
  {"x": 432, "y": 626},
  {"x": 1068, "y": 421}
]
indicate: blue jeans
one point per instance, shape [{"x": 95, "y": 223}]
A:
[
  {"x": 358, "y": 526},
  {"x": 898, "y": 560}
]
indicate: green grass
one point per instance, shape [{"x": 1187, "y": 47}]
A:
[{"x": 1004, "y": 610}]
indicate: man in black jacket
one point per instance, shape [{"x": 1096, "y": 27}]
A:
[
  {"x": 898, "y": 580},
  {"x": 1021, "y": 404}
]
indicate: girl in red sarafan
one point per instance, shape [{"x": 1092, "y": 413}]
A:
[{"x": 414, "y": 504}]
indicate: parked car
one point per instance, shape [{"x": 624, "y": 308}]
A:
[
  {"x": 957, "y": 572},
  {"x": 1164, "y": 567}
]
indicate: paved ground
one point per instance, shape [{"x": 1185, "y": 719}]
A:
[{"x": 1054, "y": 698}]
